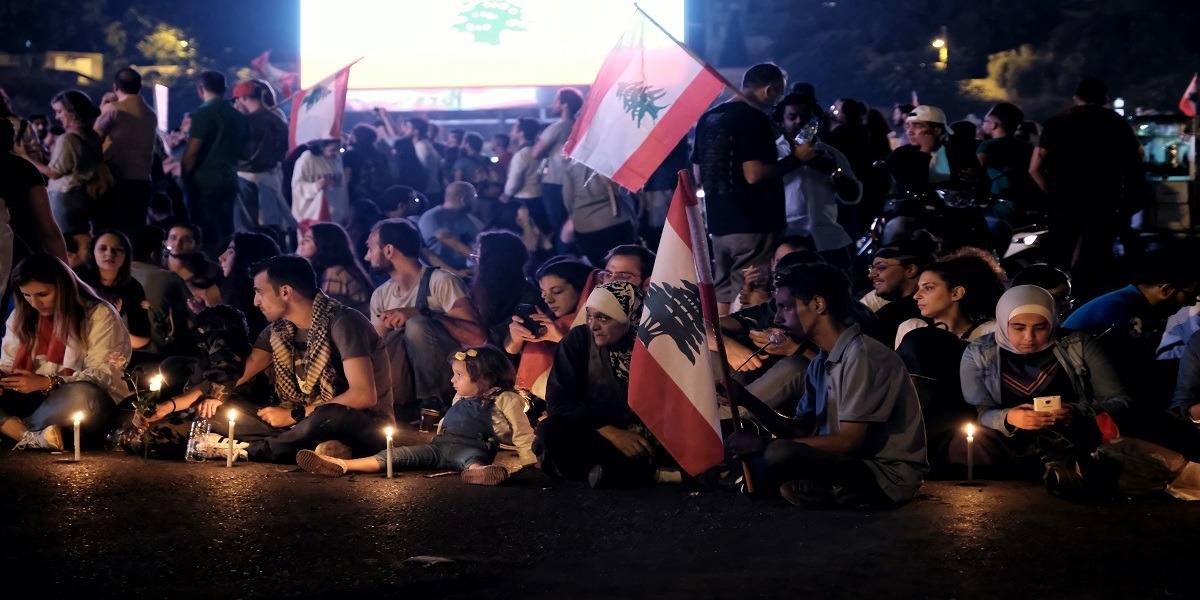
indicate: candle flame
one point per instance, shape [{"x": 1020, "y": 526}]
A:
[
  {"x": 156, "y": 382},
  {"x": 388, "y": 432},
  {"x": 970, "y": 430},
  {"x": 78, "y": 417},
  {"x": 232, "y": 415}
]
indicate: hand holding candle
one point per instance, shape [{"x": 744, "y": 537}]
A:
[
  {"x": 229, "y": 455},
  {"x": 388, "y": 432},
  {"x": 78, "y": 418},
  {"x": 156, "y": 382}
]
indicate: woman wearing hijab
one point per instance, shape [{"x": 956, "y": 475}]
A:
[
  {"x": 1003, "y": 373},
  {"x": 591, "y": 433}
]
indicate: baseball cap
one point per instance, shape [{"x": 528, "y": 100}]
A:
[
  {"x": 245, "y": 88},
  {"x": 924, "y": 112}
]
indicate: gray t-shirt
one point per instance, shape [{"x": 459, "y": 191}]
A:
[
  {"x": 445, "y": 288},
  {"x": 352, "y": 336},
  {"x": 556, "y": 134},
  {"x": 863, "y": 381}
]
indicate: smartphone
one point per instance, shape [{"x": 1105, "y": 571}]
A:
[
  {"x": 1047, "y": 403},
  {"x": 526, "y": 312}
]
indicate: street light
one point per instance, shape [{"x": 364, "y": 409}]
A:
[
  {"x": 183, "y": 43},
  {"x": 939, "y": 43}
]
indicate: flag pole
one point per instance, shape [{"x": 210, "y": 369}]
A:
[
  {"x": 302, "y": 90},
  {"x": 726, "y": 375},
  {"x": 696, "y": 57}
]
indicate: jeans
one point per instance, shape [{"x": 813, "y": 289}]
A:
[
  {"x": 787, "y": 460},
  {"x": 38, "y": 412},
  {"x": 596, "y": 244},
  {"x": 72, "y": 210},
  {"x": 213, "y": 212},
  {"x": 361, "y": 430},
  {"x": 443, "y": 453},
  {"x": 428, "y": 344}
]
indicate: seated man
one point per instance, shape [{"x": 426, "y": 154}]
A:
[
  {"x": 449, "y": 230},
  {"x": 170, "y": 318},
  {"x": 858, "y": 434},
  {"x": 428, "y": 306},
  {"x": 894, "y": 272},
  {"x": 328, "y": 368}
]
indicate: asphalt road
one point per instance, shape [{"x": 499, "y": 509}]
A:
[{"x": 115, "y": 525}]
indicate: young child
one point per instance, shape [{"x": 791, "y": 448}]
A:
[{"x": 486, "y": 412}]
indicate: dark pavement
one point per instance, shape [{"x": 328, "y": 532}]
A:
[{"x": 115, "y": 525}]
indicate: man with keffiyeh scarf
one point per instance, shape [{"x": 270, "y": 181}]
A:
[{"x": 327, "y": 364}]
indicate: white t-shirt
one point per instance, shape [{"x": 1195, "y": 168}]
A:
[
  {"x": 523, "y": 182},
  {"x": 445, "y": 289},
  {"x": 873, "y": 301}
]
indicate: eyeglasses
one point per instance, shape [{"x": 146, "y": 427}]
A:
[
  {"x": 880, "y": 267},
  {"x": 464, "y": 355},
  {"x": 607, "y": 276}
]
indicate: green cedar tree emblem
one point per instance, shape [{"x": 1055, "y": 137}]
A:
[
  {"x": 674, "y": 312},
  {"x": 640, "y": 100},
  {"x": 488, "y": 19},
  {"x": 314, "y": 96}
]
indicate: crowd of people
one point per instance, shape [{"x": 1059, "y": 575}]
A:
[{"x": 491, "y": 292}]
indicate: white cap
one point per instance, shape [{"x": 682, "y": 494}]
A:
[{"x": 928, "y": 114}]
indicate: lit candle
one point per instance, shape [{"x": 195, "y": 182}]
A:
[
  {"x": 388, "y": 433},
  {"x": 229, "y": 454},
  {"x": 78, "y": 418},
  {"x": 970, "y": 458},
  {"x": 156, "y": 382}
]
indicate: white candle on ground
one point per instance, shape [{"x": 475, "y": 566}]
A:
[
  {"x": 78, "y": 418},
  {"x": 388, "y": 433},
  {"x": 970, "y": 458},
  {"x": 229, "y": 454}
]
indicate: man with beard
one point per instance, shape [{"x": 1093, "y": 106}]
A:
[
  {"x": 858, "y": 435},
  {"x": 894, "y": 271},
  {"x": 327, "y": 366},
  {"x": 428, "y": 308},
  {"x": 449, "y": 230}
]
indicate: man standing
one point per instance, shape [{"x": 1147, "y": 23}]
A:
[
  {"x": 449, "y": 230},
  {"x": 858, "y": 435},
  {"x": 737, "y": 164},
  {"x": 1090, "y": 163},
  {"x": 549, "y": 146},
  {"x": 129, "y": 128},
  {"x": 417, "y": 132},
  {"x": 259, "y": 173},
  {"x": 215, "y": 142},
  {"x": 428, "y": 306},
  {"x": 328, "y": 368}
]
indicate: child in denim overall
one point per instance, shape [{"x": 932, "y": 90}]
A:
[{"x": 486, "y": 411}]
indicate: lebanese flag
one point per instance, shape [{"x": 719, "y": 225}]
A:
[
  {"x": 317, "y": 111},
  {"x": 1186, "y": 103},
  {"x": 671, "y": 384},
  {"x": 286, "y": 81},
  {"x": 650, "y": 91}
]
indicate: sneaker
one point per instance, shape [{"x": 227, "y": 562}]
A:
[
  {"x": 489, "y": 475},
  {"x": 321, "y": 465},
  {"x": 333, "y": 449},
  {"x": 49, "y": 438},
  {"x": 807, "y": 494}
]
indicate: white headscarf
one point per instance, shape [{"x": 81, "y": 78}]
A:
[{"x": 1023, "y": 300}]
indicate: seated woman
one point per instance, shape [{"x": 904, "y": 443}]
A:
[
  {"x": 237, "y": 290},
  {"x": 958, "y": 294},
  {"x": 499, "y": 284},
  {"x": 107, "y": 270},
  {"x": 341, "y": 276},
  {"x": 563, "y": 283},
  {"x": 591, "y": 433},
  {"x": 1003, "y": 373},
  {"x": 62, "y": 353}
]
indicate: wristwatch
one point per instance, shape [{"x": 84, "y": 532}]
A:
[{"x": 298, "y": 414}]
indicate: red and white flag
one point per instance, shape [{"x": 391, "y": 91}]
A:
[
  {"x": 317, "y": 111},
  {"x": 650, "y": 91},
  {"x": 1188, "y": 102},
  {"x": 671, "y": 384},
  {"x": 285, "y": 81}
]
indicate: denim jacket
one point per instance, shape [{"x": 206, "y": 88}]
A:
[{"x": 1092, "y": 375}]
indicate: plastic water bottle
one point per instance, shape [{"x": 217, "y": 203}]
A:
[{"x": 197, "y": 444}]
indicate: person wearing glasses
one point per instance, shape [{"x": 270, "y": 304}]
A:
[
  {"x": 1130, "y": 322},
  {"x": 895, "y": 272},
  {"x": 630, "y": 263}
]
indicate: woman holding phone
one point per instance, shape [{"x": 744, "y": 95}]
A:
[
  {"x": 1014, "y": 375},
  {"x": 62, "y": 353}
]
